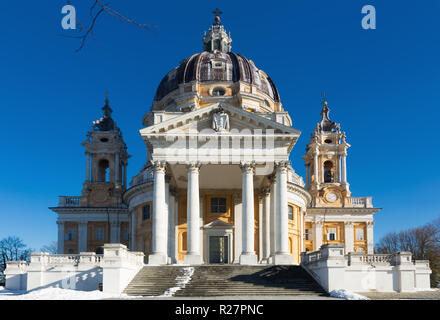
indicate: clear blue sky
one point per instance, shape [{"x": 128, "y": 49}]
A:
[{"x": 382, "y": 85}]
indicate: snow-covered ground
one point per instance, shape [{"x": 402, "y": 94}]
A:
[
  {"x": 58, "y": 294},
  {"x": 344, "y": 294}
]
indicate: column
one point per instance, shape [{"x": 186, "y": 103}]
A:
[
  {"x": 87, "y": 166},
  {"x": 316, "y": 165},
  {"x": 344, "y": 168},
  {"x": 125, "y": 175},
  {"x": 307, "y": 175},
  {"x": 266, "y": 224},
  {"x": 248, "y": 255},
  {"x": 172, "y": 226},
  {"x": 273, "y": 206},
  {"x": 370, "y": 237},
  {"x": 349, "y": 236},
  {"x": 82, "y": 236},
  {"x": 117, "y": 180},
  {"x": 60, "y": 249},
  {"x": 159, "y": 223},
  {"x": 301, "y": 226},
  {"x": 282, "y": 253},
  {"x": 133, "y": 230},
  {"x": 317, "y": 235},
  {"x": 193, "y": 255},
  {"x": 338, "y": 167}
]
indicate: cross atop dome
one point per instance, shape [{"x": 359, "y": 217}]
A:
[
  {"x": 217, "y": 13},
  {"x": 217, "y": 40}
]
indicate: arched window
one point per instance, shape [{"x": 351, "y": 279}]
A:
[
  {"x": 103, "y": 166},
  {"x": 328, "y": 171},
  {"x": 218, "y": 91}
]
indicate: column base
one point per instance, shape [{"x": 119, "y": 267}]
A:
[
  {"x": 157, "y": 258},
  {"x": 282, "y": 258},
  {"x": 192, "y": 259},
  {"x": 248, "y": 259}
]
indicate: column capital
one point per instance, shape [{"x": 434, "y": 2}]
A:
[
  {"x": 370, "y": 223},
  {"x": 318, "y": 222},
  {"x": 61, "y": 222},
  {"x": 348, "y": 223},
  {"x": 264, "y": 192},
  {"x": 247, "y": 167},
  {"x": 282, "y": 165},
  {"x": 159, "y": 166},
  {"x": 193, "y": 166}
]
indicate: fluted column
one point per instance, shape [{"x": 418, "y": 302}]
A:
[
  {"x": 87, "y": 166},
  {"x": 344, "y": 168},
  {"x": 133, "y": 230},
  {"x": 60, "y": 249},
  {"x": 370, "y": 237},
  {"x": 159, "y": 225},
  {"x": 282, "y": 252},
  {"x": 117, "y": 180},
  {"x": 349, "y": 236},
  {"x": 316, "y": 167},
  {"x": 193, "y": 255},
  {"x": 273, "y": 207},
  {"x": 248, "y": 255},
  {"x": 266, "y": 224}
]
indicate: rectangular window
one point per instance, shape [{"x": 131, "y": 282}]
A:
[
  {"x": 359, "y": 234},
  {"x": 70, "y": 235},
  {"x": 126, "y": 235},
  {"x": 331, "y": 235},
  {"x": 307, "y": 234},
  {"x": 218, "y": 205},
  {"x": 146, "y": 212},
  {"x": 290, "y": 212},
  {"x": 99, "y": 234}
]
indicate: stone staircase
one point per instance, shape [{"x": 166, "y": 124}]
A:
[{"x": 225, "y": 280}]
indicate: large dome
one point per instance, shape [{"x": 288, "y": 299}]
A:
[
  {"x": 214, "y": 75},
  {"x": 218, "y": 67}
]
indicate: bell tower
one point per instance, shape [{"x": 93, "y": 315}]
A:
[
  {"x": 106, "y": 163},
  {"x": 325, "y": 161}
]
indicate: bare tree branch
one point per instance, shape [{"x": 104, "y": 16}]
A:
[{"x": 103, "y": 8}]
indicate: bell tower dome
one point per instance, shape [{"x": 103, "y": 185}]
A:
[
  {"x": 106, "y": 163},
  {"x": 325, "y": 160}
]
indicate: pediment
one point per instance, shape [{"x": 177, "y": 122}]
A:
[
  {"x": 218, "y": 224},
  {"x": 201, "y": 119}
]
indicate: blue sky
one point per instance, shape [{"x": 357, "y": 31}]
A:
[{"x": 382, "y": 86}]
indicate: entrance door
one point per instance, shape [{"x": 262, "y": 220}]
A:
[{"x": 218, "y": 249}]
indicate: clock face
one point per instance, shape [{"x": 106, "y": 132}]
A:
[{"x": 331, "y": 197}]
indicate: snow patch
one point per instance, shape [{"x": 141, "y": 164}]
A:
[
  {"x": 58, "y": 294},
  {"x": 348, "y": 295},
  {"x": 181, "y": 282}
]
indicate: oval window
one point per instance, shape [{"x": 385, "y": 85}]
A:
[
  {"x": 104, "y": 140},
  {"x": 327, "y": 141},
  {"x": 218, "y": 92}
]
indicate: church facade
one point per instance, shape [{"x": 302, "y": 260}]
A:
[{"x": 218, "y": 186}]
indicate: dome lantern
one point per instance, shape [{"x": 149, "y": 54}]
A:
[{"x": 217, "y": 40}]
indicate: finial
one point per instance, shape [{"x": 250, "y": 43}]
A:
[
  {"x": 324, "y": 99},
  {"x": 217, "y": 12}
]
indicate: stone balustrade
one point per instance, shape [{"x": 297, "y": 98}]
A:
[
  {"x": 366, "y": 272},
  {"x": 85, "y": 271},
  {"x": 69, "y": 201},
  {"x": 358, "y": 202}
]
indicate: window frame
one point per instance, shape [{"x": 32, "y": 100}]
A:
[
  {"x": 218, "y": 205},
  {"x": 356, "y": 234},
  {"x": 335, "y": 233},
  {"x": 149, "y": 212},
  {"x": 96, "y": 234}
]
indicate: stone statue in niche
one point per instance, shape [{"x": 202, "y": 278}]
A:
[{"x": 220, "y": 121}]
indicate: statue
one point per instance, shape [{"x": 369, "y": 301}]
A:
[{"x": 220, "y": 121}]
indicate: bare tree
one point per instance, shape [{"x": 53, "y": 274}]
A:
[
  {"x": 96, "y": 10},
  {"x": 51, "y": 248},
  {"x": 423, "y": 242},
  {"x": 12, "y": 249}
]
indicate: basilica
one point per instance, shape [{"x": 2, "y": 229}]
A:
[{"x": 217, "y": 186}]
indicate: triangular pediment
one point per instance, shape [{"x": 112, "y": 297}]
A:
[
  {"x": 201, "y": 119},
  {"x": 218, "y": 224}
]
